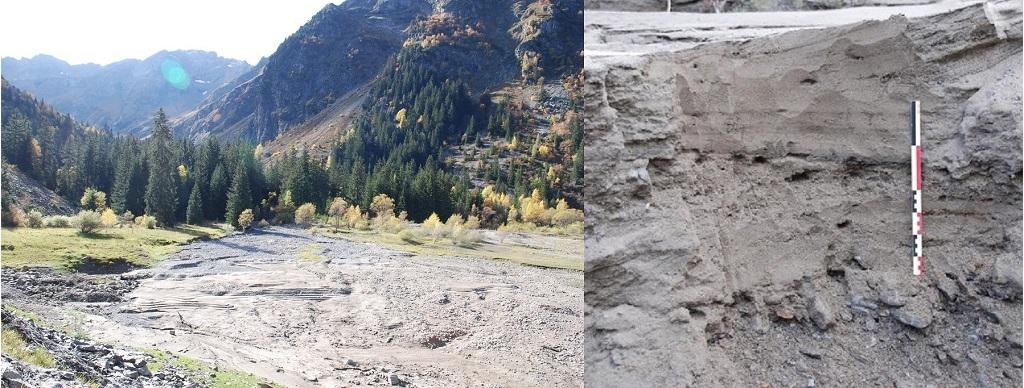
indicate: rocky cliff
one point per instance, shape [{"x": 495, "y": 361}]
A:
[
  {"x": 748, "y": 212},
  {"x": 123, "y": 95}
]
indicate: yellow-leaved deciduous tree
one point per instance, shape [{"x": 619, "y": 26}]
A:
[
  {"x": 533, "y": 208},
  {"x": 433, "y": 226},
  {"x": 463, "y": 232},
  {"x": 336, "y": 211},
  {"x": 182, "y": 171},
  {"x": 552, "y": 173},
  {"x": 305, "y": 214},
  {"x": 245, "y": 219},
  {"x": 400, "y": 118},
  {"x": 563, "y": 215},
  {"x": 353, "y": 216},
  {"x": 472, "y": 222},
  {"x": 384, "y": 214},
  {"x": 108, "y": 218},
  {"x": 258, "y": 151},
  {"x": 454, "y": 224},
  {"x": 35, "y": 153},
  {"x": 561, "y": 204},
  {"x": 493, "y": 198},
  {"x": 383, "y": 206},
  {"x": 34, "y": 150},
  {"x": 284, "y": 212},
  {"x": 147, "y": 221},
  {"x": 513, "y": 215},
  {"x": 514, "y": 143},
  {"x": 93, "y": 199},
  {"x": 544, "y": 150}
]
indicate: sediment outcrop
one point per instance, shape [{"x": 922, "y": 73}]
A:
[{"x": 748, "y": 208}]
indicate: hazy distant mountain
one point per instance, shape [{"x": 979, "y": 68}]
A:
[{"x": 122, "y": 96}]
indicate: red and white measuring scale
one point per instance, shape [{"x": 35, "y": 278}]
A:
[{"x": 915, "y": 180}]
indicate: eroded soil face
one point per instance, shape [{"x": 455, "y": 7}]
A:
[
  {"x": 306, "y": 310},
  {"x": 748, "y": 208}
]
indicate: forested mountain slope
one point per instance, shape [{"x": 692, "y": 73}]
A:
[
  {"x": 37, "y": 139},
  {"x": 425, "y": 101},
  {"x": 340, "y": 48},
  {"x": 484, "y": 44}
]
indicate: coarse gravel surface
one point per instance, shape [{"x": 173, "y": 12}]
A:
[{"x": 307, "y": 310}]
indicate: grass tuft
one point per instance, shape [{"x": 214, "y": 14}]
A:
[
  {"x": 24, "y": 314},
  {"x": 312, "y": 252},
  {"x": 204, "y": 373},
  {"x": 14, "y": 346}
]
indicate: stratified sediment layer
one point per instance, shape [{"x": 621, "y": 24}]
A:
[{"x": 748, "y": 208}]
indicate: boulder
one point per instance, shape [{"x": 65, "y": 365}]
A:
[
  {"x": 395, "y": 380},
  {"x": 892, "y": 298},
  {"x": 820, "y": 313},
  {"x": 1007, "y": 270},
  {"x": 915, "y": 319}
]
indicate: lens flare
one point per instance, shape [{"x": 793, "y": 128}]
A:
[{"x": 175, "y": 74}]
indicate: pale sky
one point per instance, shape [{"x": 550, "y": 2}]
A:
[{"x": 105, "y": 31}]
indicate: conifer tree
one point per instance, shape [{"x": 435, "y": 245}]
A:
[
  {"x": 161, "y": 190},
  {"x": 122, "y": 181},
  {"x": 356, "y": 179},
  {"x": 49, "y": 158},
  {"x": 239, "y": 198},
  {"x": 15, "y": 137},
  {"x": 470, "y": 129},
  {"x": 218, "y": 188},
  {"x": 194, "y": 214}
]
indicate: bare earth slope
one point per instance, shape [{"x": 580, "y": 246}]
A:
[
  {"x": 748, "y": 213},
  {"x": 28, "y": 193},
  {"x": 305, "y": 310}
]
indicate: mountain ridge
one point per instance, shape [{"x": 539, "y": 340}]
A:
[
  {"x": 122, "y": 96},
  {"x": 318, "y": 63},
  {"x": 486, "y": 45}
]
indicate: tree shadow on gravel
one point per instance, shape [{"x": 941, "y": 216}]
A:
[
  {"x": 246, "y": 248},
  {"x": 191, "y": 232},
  {"x": 279, "y": 234}
]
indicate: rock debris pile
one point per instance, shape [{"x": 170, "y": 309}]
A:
[{"x": 78, "y": 361}]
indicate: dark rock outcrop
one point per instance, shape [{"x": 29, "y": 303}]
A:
[{"x": 74, "y": 359}]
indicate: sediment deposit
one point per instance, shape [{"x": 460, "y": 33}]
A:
[{"x": 748, "y": 208}]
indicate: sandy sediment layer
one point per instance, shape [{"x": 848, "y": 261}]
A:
[{"x": 748, "y": 208}]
